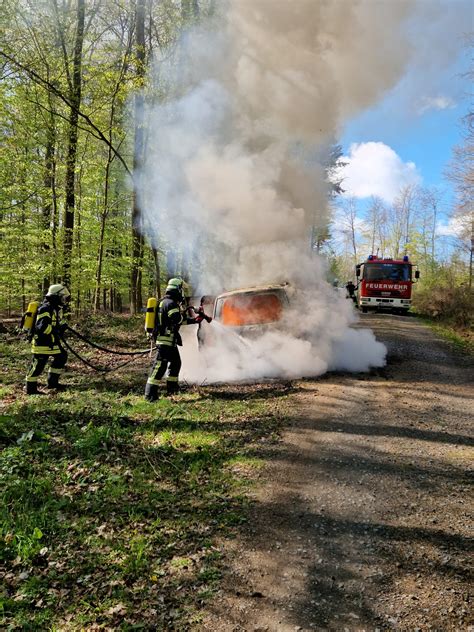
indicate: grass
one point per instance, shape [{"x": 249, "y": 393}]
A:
[
  {"x": 461, "y": 339},
  {"x": 111, "y": 507}
]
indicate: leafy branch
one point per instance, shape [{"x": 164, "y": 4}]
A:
[{"x": 53, "y": 89}]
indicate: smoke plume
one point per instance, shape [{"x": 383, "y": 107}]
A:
[{"x": 235, "y": 177}]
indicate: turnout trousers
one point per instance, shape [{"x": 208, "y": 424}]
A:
[
  {"x": 38, "y": 365},
  {"x": 167, "y": 359}
]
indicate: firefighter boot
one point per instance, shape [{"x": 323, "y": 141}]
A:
[
  {"x": 151, "y": 392},
  {"x": 172, "y": 388},
  {"x": 32, "y": 389},
  {"x": 53, "y": 382}
]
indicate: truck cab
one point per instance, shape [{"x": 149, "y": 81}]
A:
[{"x": 385, "y": 284}]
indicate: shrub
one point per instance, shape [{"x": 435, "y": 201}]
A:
[{"x": 450, "y": 304}]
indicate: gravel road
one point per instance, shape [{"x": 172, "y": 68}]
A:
[{"x": 362, "y": 521}]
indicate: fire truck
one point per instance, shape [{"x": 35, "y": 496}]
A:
[{"x": 385, "y": 284}]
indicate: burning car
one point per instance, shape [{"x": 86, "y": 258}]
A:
[
  {"x": 246, "y": 312},
  {"x": 250, "y": 309}
]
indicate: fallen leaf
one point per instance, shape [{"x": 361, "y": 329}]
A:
[{"x": 119, "y": 608}]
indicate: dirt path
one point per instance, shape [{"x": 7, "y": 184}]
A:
[{"x": 363, "y": 522}]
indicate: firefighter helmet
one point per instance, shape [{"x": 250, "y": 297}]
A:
[
  {"x": 59, "y": 291},
  {"x": 175, "y": 286}
]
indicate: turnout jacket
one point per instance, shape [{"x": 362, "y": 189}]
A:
[
  {"x": 50, "y": 322},
  {"x": 169, "y": 319}
]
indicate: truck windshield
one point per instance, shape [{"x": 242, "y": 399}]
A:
[{"x": 386, "y": 271}]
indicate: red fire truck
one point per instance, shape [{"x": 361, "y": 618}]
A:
[{"x": 385, "y": 284}]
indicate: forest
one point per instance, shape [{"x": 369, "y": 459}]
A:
[
  {"x": 74, "y": 82},
  {"x": 75, "y": 90}
]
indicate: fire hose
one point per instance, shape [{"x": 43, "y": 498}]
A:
[
  {"x": 96, "y": 346},
  {"x": 93, "y": 344}
]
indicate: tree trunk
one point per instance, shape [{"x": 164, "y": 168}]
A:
[
  {"x": 352, "y": 213},
  {"x": 100, "y": 258},
  {"x": 48, "y": 184},
  {"x": 54, "y": 222},
  {"x": 103, "y": 221},
  {"x": 112, "y": 296},
  {"x": 137, "y": 237},
  {"x": 75, "y": 98},
  {"x": 23, "y": 297},
  {"x": 110, "y": 157},
  {"x": 433, "y": 236},
  {"x": 157, "y": 273},
  {"x": 189, "y": 9}
]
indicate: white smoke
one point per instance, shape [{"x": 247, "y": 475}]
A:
[
  {"x": 313, "y": 337},
  {"x": 234, "y": 178}
]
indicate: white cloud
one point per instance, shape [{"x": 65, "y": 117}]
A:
[
  {"x": 376, "y": 169},
  {"x": 435, "y": 103},
  {"x": 456, "y": 227}
]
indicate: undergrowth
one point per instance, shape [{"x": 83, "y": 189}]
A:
[
  {"x": 447, "y": 304},
  {"x": 111, "y": 506},
  {"x": 461, "y": 338}
]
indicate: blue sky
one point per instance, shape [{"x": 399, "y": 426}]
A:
[
  {"x": 420, "y": 118},
  {"x": 427, "y": 139}
]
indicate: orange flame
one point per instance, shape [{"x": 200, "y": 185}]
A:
[{"x": 251, "y": 310}]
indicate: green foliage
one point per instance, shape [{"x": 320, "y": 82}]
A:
[
  {"x": 38, "y": 42},
  {"x": 108, "y": 500}
]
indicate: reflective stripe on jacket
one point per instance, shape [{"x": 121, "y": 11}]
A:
[
  {"x": 46, "y": 333},
  {"x": 168, "y": 320}
]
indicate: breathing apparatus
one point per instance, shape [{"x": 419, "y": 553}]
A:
[
  {"x": 29, "y": 319},
  {"x": 175, "y": 289},
  {"x": 150, "y": 315},
  {"x": 56, "y": 292}
]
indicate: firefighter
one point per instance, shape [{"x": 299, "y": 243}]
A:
[
  {"x": 201, "y": 332},
  {"x": 169, "y": 318},
  {"x": 47, "y": 330},
  {"x": 351, "y": 288}
]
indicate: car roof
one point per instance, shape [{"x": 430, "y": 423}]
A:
[{"x": 254, "y": 289}]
